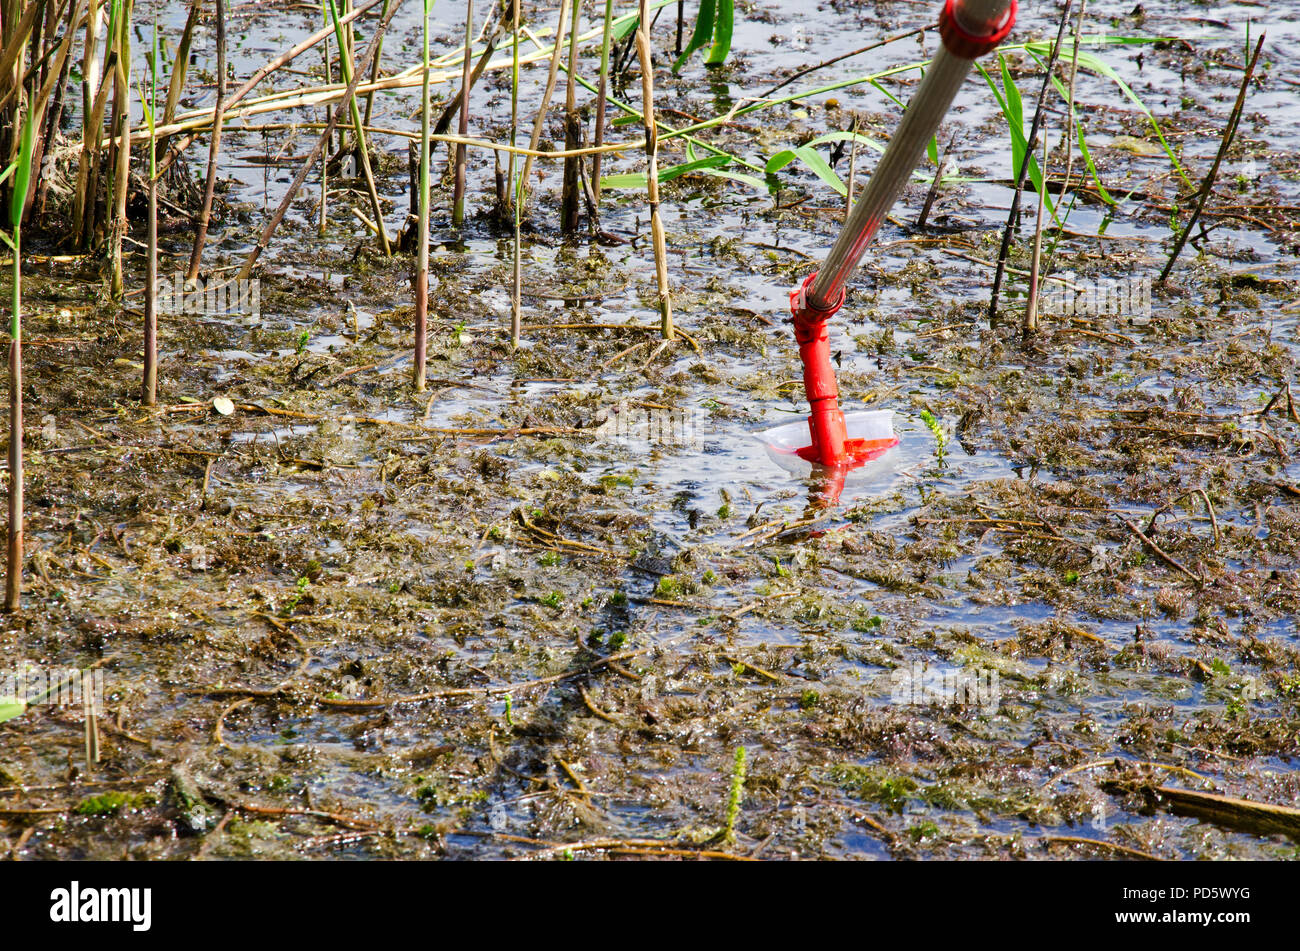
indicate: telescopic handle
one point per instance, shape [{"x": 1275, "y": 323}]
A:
[{"x": 969, "y": 28}]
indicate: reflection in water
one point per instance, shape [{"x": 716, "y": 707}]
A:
[{"x": 721, "y": 91}]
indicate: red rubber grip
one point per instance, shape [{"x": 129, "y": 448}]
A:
[{"x": 967, "y": 45}]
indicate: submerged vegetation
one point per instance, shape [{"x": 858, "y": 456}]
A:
[{"x": 455, "y": 542}]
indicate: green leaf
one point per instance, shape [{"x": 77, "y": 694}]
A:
[
  {"x": 1013, "y": 111},
  {"x": 847, "y": 137},
  {"x": 1014, "y": 107},
  {"x": 677, "y": 171},
  {"x": 1092, "y": 168},
  {"x": 24, "y": 175},
  {"x": 638, "y": 179},
  {"x": 722, "y": 26},
  {"x": 702, "y": 34},
  {"x": 620, "y": 30},
  {"x": 9, "y": 710},
  {"x": 810, "y": 157},
  {"x": 751, "y": 180}
]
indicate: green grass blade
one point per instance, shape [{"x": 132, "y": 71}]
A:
[
  {"x": 1094, "y": 64},
  {"x": 1013, "y": 108},
  {"x": 10, "y": 710},
  {"x": 1092, "y": 168},
  {"x": 723, "y": 24},
  {"x": 750, "y": 180},
  {"x": 811, "y": 158},
  {"x": 638, "y": 179},
  {"x": 847, "y": 137},
  {"x": 1083, "y": 145},
  {"x": 23, "y": 177},
  {"x": 620, "y": 29},
  {"x": 702, "y": 34},
  {"x": 1013, "y": 111}
]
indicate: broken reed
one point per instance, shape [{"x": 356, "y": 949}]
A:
[
  {"x": 348, "y": 73},
  {"x": 539, "y": 123},
  {"x": 603, "y": 93},
  {"x": 120, "y": 29}
]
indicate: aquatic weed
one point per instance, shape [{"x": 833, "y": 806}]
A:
[
  {"x": 736, "y": 793},
  {"x": 936, "y": 429}
]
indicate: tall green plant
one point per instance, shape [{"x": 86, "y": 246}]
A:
[
  {"x": 1013, "y": 111},
  {"x": 460, "y": 152},
  {"x": 214, "y": 147},
  {"x": 605, "y": 39}
]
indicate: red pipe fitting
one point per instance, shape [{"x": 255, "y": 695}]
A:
[
  {"x": 825, "y": 419},
  {"x": 967, "y": 45},
  {"x": 831, "y": 445}
]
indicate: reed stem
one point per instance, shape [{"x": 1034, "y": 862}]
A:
[
  {"x": 1229, "y": 132},
  {"x": 652, "y": 173},
  {"x": 363, "y": 149},
  {"x": 422, "y": 267},
  {"x": 516, "y": 188},
  {"x": 149, "y": 382},
  {"x": 374, "y": 71},
  {"x": 322, "y": 222},
  {"x": 601, "y": 96},
  {"x": 458, "y": 193},
  {"x": 569, "y": 195},
  {"x": 17, "y": 202},
  {"x": 14, "y": 575},
  {"x": 214, "y": 146},
  {"x": 540, "y": 122},
  {"x": 1031, "y": 144}
]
